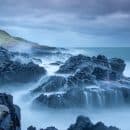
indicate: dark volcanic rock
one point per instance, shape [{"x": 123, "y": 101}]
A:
[
  {"x": 117, "y": 66},
  {"x": 101, "y": 60},
  {"x": 74, "y": 63},
  {"x": 84, "y": 123},
  {"x": 72, "y": 98},
  {"x": 54, "y": 83},
  {"x": 31, "y": 128},
  {"x": 101, "y": 67},
  {"x": 20, "y": 73},
  {"x": 16, "y": 72},
  {"x": 82, "y": 77},
  {"x": 84, "y": 71},
  {"x": 9, "y": 113},
  {"x": 101, "y": 73},
  {"x": 52, "y": 101}
]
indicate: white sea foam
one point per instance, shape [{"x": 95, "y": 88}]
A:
[{"x": 127, "y": 70}]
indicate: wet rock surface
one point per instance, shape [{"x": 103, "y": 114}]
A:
[
  {"x": 100, "y": 66},
  {"x": 81, "y": 78},
  {"x": 71, "y": 98},
  {"x": 9, "y": 113},
  {"x": 53, "y": 83},
  {"x": 17, "y": 72},
  {"x": 73, "y": 63},
  {"x": 83, "y": 72}
]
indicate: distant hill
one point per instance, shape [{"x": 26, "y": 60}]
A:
[
  {"x": 6, "y": 38},
  {"x": 9, "y": 41}
]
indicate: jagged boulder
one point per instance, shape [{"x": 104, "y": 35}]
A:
[
  {"x": 31, "y": 128},
  {"x": 101, "y": 60},
  {"x": 17, "y": 72},
  {"x": 74, "y": 63},
  {"x": 84, "y": 123},
  {"x": 101, "y": 67},
  {"x": 9, "y": 114},
  {"x": 12, "y": 72},
  {"x": 72, "y": 98},
  {"x": 117, "y": 66}
]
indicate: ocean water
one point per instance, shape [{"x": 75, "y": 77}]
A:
[
  {"x": 120, "y": 52},
  {"x": 119, "y": 116}
]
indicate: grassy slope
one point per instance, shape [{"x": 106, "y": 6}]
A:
[{"x": 7, "y": 40}]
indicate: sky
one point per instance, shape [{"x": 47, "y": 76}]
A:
[{"x": 68, "y": 23}]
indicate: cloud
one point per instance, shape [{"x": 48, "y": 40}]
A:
[{"x": 83, "y": 20}]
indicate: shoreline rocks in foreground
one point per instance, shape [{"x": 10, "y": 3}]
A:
[
  {"x": 10, "y": 118},
  {"x": 82, "y": 123}
]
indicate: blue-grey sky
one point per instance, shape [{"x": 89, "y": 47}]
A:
[{"x": 70, "y": 23}]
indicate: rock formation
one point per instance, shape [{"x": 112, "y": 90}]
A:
[
  {"x": 17, "y": 72},
  {"x": 10, "y": 118}
]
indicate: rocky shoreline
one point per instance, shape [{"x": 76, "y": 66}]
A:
[
  {"x": 74, "y": 90},
  {"x": 90, "y": 81},
  {"x": 10, "y": 118}
]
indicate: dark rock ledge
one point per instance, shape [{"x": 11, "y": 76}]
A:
[{"x": 17, "y": 72}]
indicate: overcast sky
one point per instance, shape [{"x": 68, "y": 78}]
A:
[{"x": 75, "y": 23}]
